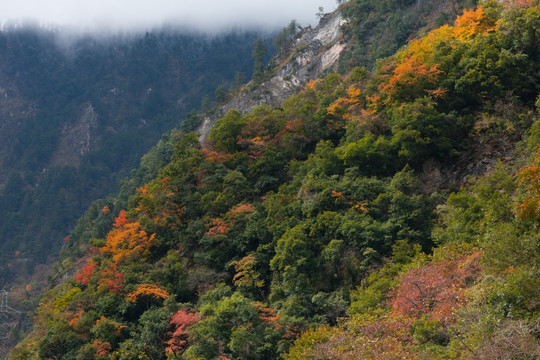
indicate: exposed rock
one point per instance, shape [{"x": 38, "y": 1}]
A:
[
  {"x": 480, "y": 159},
  {"x": 314, "y": 52},
  {"x": 77, "y": 138}
]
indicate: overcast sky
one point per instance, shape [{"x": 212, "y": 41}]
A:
[{"x": 145, "y": 14}]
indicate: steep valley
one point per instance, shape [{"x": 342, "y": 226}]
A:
[{"x": 371, "y": 193}]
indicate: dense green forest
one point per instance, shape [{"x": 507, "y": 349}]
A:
[
  {"x": 77, "y": 117},
  {"x": 385, "y": 213}
]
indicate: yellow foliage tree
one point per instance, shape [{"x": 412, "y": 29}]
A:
[{"x": 245, "y": 272}]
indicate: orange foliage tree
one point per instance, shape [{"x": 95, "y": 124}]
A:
[
  {"x": 149, "y": 290},
  {"x": 529, "y": 179},
  {"x": 127, "y": 240},
  {"x": 220, "y": 226},
  {"x": 103, "y": 348},
  {"x": 216, "y": 156},
  {"x": 415, "y": 71},
  {"x": 471, "y": 23}
]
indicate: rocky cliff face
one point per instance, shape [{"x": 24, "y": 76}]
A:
[
  {"x": 77, "y": 138},
  {"x": 313, "y": 52}
]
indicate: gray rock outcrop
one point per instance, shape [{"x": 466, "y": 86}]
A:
[{"x": 313, "y": 52}]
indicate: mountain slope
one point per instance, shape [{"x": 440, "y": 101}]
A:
[
  {"x": 76, "y": 120},
  {"x": 260, "y": 244}
]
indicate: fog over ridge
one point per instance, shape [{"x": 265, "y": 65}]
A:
[{"x": 112, "y": 16}]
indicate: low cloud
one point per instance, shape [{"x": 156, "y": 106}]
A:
[{"x": 140, "y": 15}]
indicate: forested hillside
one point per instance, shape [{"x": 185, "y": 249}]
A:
[
  {"x": 77, "y": 115},
  {"x": 385, "y": 213}
]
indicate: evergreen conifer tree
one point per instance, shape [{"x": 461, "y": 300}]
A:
[{"x": 259, "y": 55}]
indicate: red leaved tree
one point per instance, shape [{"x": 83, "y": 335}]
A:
[
  {"x": 86, "y": 273},
  {"x": 438, "y": 287},
  {"x": 179, "y": 340}
]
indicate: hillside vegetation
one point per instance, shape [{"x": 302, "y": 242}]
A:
[{"x": 333, "y": 226}]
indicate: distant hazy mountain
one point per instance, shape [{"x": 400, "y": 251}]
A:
[{"x": 76, "y": 117}]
